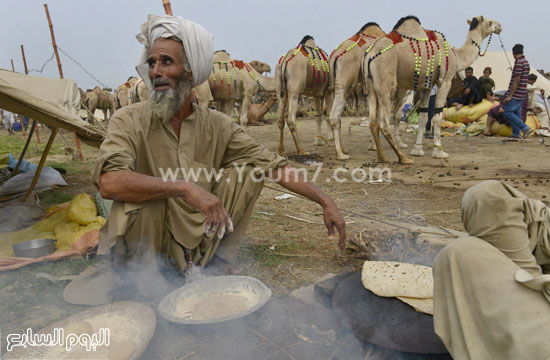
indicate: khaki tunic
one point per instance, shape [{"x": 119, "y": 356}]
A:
[
  {"x": 480, "y": 310},
  {"x": 209, "y": 140}
]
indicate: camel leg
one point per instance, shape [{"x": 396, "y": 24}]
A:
[
  {"x": 440, "y": 99},
  {"x": 373, "y": 117},
  {"x": 281, "y": 124},
  {"x": 336, "y": 123},
  {"x": 244, "y": 112},
  {"x": 291, "y": 122},
  {"x": 319, "y": 139},
  {"x": 385, "y": 115},
  {"x": 422, "y": 120},
  {"x": 400, "y": 98},
  {"x": 375, "y": 130}
]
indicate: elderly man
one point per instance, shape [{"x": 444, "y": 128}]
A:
[
  {"x": 156, "y": 220},
  {"x": 491, "y": 299}
]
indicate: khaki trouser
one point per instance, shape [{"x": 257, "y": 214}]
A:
[{"x": 480, "y": 310}]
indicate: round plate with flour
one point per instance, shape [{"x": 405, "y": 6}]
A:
[{"x": 214, "y": 299}]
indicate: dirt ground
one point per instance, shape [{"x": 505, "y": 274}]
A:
[{"x": 287, "y": 244}]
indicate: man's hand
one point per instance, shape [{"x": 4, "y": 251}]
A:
[
  {"x": 333, "y": 218},
  {"x": 216, "y": 217},
  {"x": 506, "y": 100},
  {"x": 467, "y": 91}
]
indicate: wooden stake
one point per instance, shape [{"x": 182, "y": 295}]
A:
[
  {"x": 54, "y": 44},
  {"x": 167, "y": 7},
  {"x": 34, "y": 122},
  {"x": 42, "y": 162},
  {"x": 54, "y": 130},
  {"x": 53, "y": 41},
  {"x": 12, "y": 67}
]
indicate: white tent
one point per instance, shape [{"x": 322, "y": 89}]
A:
[
  {"x": 502, "y": 71},
  {"x": 53, "y": 102}
]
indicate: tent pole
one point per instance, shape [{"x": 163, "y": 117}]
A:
[
  {"x": 19, "y": 116},
  {"x": 42, "y": 162},
  {"x": 34, "y": 123},
  {"x": 33, "y": 126},
  {"x": 167, "y": 7},
  {"x": 54, "y": 44}
]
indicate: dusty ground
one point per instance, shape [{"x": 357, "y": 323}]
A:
[{"x": 287, "y": 245}]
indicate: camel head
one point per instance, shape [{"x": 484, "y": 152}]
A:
[
  {"x": 484, "y": 26},
  {"x": 308, "y": 41},
  {"x": 260, "y": 67},
  {"x": 372, "y": 29}
]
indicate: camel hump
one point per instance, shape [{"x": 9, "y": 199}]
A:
[{"x": 405, "y": 19}]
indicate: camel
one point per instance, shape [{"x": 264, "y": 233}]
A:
[
  {"x": 139, "y": 91},
  {"x": 303, "y": 70},
  {"x": 345, "y": 64},
  {"x": 122, "y": 93},
  {"x": 256, "y": 112},
  {"x": 260, "y": 67},
  {"x": 412, "y": 58},
  {"x": 233, "y": 80},
  {"x": 100, "y": 99}
]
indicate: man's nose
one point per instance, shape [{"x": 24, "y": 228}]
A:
[{"x": 156, "y": 70}]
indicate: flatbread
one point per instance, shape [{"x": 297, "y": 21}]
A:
[
  {"x": 425, "y": 306},
  {"x": 396, "y": 279}
]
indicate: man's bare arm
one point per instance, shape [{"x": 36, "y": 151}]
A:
[
  {"x": 130, "y": 186},
  {"x": 515, "y": 85},
  {"x": 290, "y": 180}
]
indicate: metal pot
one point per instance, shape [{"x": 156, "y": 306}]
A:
[{"x": 34, "y": 248}]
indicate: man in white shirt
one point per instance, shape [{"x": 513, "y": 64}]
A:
[
  {"x": 535, "y": 107},
  {"x": 8, "y": 119}
]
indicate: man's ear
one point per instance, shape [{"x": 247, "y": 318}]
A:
[{"x": 469, "y": 22}]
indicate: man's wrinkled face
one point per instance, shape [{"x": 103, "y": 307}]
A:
[
  {"x": 531, "y": 82},
  {"x": 171, "y": 83},
  {"x": 469, "y": 73}
]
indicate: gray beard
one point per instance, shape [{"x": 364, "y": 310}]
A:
[{"x": 165, "y": 104}]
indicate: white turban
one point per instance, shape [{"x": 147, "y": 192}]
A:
[{"x": 197, "y": 43}]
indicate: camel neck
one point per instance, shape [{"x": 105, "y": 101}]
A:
[
  {"x": 468, "y": 53},
  {"x": 268, "y": 83}
]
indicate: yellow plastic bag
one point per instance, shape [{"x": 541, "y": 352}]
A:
[
  {"x": 468, "y": 114},
  {"x": 57, "y": 225}
]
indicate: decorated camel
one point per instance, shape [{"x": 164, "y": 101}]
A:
[
  {"x": 122, "y": 93},
  {"x": 260, "y": 67},
  {"x": 100, "y": 99},
  {"x": 412, "y": 58},
  {"x": 232, "y": 80},
  {"x": 139, "y": 91},
  {"x": 345, "y": 64},
  {"x": 303, "y": 70}
]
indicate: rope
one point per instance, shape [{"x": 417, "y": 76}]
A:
[
  {"x": 43, "y": 66},
  {"x": 82, "y": 67},
  {"x": 503, "y": 49},
  {"x": 5, "y": 175}
]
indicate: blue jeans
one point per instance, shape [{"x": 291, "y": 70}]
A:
[{"x": 512, "y": 114}]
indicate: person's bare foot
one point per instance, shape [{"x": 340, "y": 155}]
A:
[
  {"x": 486, "y": 134},
  {"x": 459, "y": 106}
]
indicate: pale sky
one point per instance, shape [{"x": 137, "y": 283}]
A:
[{"x": 100, "y": 34}]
